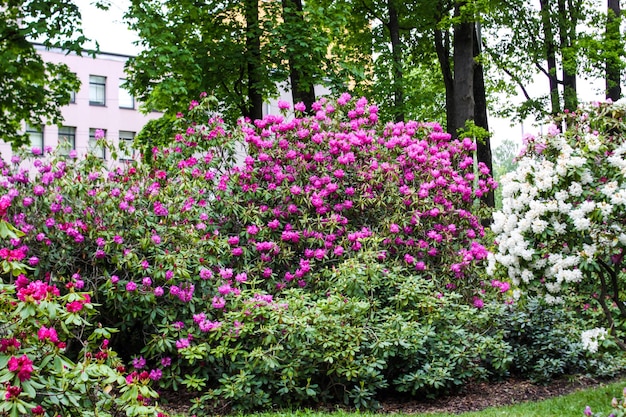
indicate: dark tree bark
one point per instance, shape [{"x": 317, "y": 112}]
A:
[
  {"x": 480, "y": 114},
  {"x": 253, "y": 52},
  {"x": 396, "y": 52},
  {"x": 463, "y": 59},
  {"x": 613, "y": 72},
  {"x": 567, "y": 34},
  {"x": 301, "y": 90},
  {"x": 550, "y": 56},
  {"x": 443, "y": 56}
]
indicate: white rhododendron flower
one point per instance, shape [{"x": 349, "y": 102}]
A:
[
  {"x": 591, "y": 338},
  {"x": 563, "y": 215}
]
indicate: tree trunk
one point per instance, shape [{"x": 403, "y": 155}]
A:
[
  {"x": 463, "y": 57},
  {"x": 396, "y": 52},
  {"x": 443, "y": 56},
  {"x": 253, "y": 55},
  {"x": 550, "y": 56},
  {"x": 483, "y": 151},
  {"x": 567, "y": 35},
  {"x": 613, "y": 72},
  {"x": 302, "y": 90}
]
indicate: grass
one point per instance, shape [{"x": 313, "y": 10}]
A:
[{"x": 571, "y": 405}]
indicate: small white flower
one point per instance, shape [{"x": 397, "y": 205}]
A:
[
  {"x": 539, "y": 225},
  {"x": 590, "y": 338},
  {"x": 575, "y": 189},
  {"x": 589, "y": 250},
  {"x": 582, "y": 224}
]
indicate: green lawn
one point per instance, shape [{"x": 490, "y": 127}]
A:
[{"x": 572, "y": 405}]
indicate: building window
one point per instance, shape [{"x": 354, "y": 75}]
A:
[
  {"x": 97, "y": 90},
  {"x": 126, "y": 100},
  {"x": 67, "y": 139},
  {"x": 35, "y": 134},
  {"x": 72, "y": 97},
  {"x": 127, "y": 152},
  {"x": 96, "y": 145}
]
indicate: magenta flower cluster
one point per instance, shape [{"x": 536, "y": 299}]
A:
[{"x": 189, "y": 239}]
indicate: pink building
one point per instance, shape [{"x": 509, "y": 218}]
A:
[{"x": 101, "y": 103}]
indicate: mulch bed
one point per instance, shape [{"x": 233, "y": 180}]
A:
[{"x": 473, "y": 397}]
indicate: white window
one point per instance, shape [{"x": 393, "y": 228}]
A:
[
  {"x": 97, "y": 90},
  {"x": 35, "y": 133},
  {"x": 67, "y": 139},
  {"x": 126, "y": 100},
  {"x": 127, "y": 152},
  {"x": 96, "y": 146}
]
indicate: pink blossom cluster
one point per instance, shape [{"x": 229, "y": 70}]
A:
[
  {"x": 21, "y": 366},
  {"x": 312, "y": 193}
]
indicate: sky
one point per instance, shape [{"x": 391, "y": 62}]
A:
[{"x": 107, "y": 27}]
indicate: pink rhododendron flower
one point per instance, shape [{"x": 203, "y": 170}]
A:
[{"x": 21, "y": 366}]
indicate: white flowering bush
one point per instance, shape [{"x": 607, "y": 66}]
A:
[{"x": 562, "y": 226}]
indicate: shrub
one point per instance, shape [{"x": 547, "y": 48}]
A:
[
  {"x": 340, "y": 258},
  {"x": 561, "y": 230},
  {"x": 52, "y": 360}
]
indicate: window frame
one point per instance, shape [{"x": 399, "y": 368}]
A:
[
  {"x": 31, "y": 131},
  {"x": 126, "y": 92},
  {"x": 69, "y": 136},
  {"x": 129, "y": 152},
  {"x": 97, "y": 84}
]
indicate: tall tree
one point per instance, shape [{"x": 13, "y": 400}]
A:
[
  {"x": 254, "y": 62},
  {"x": 568, "y": 18},
  {"x": 188, "y": 48},
  {"x": 550, "y": 55},
  {"x": 239, "y": 51},
  {"x": 464, "y": 65},
  {"x": 32, "y": 90},
  {"x": 565, "y": 40},
  {"x": 298, "y": 42},
  {"x": 613, "y": 61}
]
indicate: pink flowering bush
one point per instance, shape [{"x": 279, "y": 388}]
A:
[
  {"x": 340, "y": 256},
  {"x": 52, "y": 361}
]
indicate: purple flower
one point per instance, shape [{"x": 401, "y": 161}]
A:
[
  {"x": 158, "y": 291},
  {"x": 38, "y": 190},
  {"x": 114, "y": 279},
  {"x": 156, "y": 239},
  {"x": 205, "y": 273},
  {"x": 131, "y": 286},
  {"x": 218, "y": 302},
  {"x": 478, "y": 303},
  {"x": 182, "y": 343},
  {"x": 156, "y": 374},
  {"x": 139, "y": 362},
  {"x": 226, "y": 273}
]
